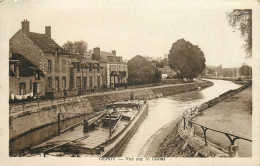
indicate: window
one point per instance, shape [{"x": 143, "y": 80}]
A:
[
  {"x": 49, "y": 65},
  {"x": 63, "y": 66},
  {"x": 78, "y": 82},
  {"x": 90, "y": 81},
  {"x": 37, "y": 75},
  {"x": 98, "y": 81},
  {"x": 57, "y": 84},
  {"x": 64, "y": 83},
  {"x": 77, "y": 65},
  {"x": 22, "y": 88},
  {"x": 90, "y": 66},
  {"x": 57, "y": 65},
  {"x": 49, "y": 82},
  {"x": 30, "y": 85}
]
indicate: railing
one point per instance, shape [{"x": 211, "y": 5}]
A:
[
  {"x": 37, "y": 104},
  {"x": 189, "y": 124},
  {"x": 14, "y": 108}
]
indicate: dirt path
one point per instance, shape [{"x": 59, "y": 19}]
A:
[{"x": 234, "y": 116}]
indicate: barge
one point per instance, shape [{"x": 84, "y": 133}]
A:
[{"x": 101, "y": 136}]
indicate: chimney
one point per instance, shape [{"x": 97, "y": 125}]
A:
[
  {"x": 96, "y": 54},
  {"x": 26, "y": 26},
  {"x": 48, "y": 30},
  {"x": 114, "y": 52}
]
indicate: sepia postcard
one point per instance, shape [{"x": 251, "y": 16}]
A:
[{"x": 127, "y": 82}]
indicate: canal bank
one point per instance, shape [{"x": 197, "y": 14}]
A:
[
  {"x": 34, "y": 126},
  {"x": 173, "y": 141}
]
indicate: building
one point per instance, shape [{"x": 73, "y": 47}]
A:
[
  {"x": 26, "y": 80},
  {"x": 85, "y": 74},
  {"x": 42, "y": 51},
  {"x": 167, "y": 72},
  {"x": 115, "y": 71}
]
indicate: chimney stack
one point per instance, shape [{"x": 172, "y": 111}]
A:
[
  {"x": 114, "y": 52},
  {"x": 26, "y": 26},
  {"x": 48, "y": 30},
  {"x": 96, "y": 54}
]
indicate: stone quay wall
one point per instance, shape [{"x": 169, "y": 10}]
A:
[{"x": 32, "y": 127}]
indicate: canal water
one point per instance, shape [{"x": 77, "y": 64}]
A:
[{"x": 164, "y": 110}]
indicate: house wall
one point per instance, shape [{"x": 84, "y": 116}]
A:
[
  {"x": 57, "y": 72},
  {"x": 86, "y": 73},
  {"x": 14, "y": 85},
  {"x": 116, "y": 67},
  {"x": 22, "y": 44}
]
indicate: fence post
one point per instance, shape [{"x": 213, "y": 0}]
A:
[
  {"x": 38, "y": 104},
  {"x": 10, "y": 109},
  {"x": 184, "y": 124},
  {"x": 58, "y": 123},
  {"x": 233, "y": 151},
  {"x": 23, "y": 105},
  {"x": 204, "y": 132}
]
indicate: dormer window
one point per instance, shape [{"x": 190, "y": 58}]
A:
[
  {"x": 78, "y": 67},
  {"x": 49, "y": 65},
  {"x": 56, "y": 53},
  {"x": 37, "y": 76},
  {"x": 90, "y": 66},
  {"x": 17, "y": 69},
  {"x": 98, "y": 67}
]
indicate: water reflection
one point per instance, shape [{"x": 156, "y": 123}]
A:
[{"x": 164, "y": 110}]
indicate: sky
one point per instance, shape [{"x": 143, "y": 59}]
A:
[{"x": 132, "y": 27}]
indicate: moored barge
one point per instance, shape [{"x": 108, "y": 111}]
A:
[{"x": 102, "y": 136}]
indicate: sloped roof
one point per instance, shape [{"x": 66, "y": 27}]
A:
[
  {"x": 26, "y": 67},
  {"x": 81, "y": 58},
  {"x": 46, "y": 43},
  {"x": 104, "y": 57}
]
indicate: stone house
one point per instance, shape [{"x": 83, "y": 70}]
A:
[
  {"x": 42, "y": 51},
  {"x": 25, "y": 79},
  {"x": 85, "y": 74},
  {"x": 115, "y": 72}
]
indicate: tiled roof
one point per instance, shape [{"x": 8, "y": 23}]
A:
[
  {"x": 47, "y": 44},
  {"x": 26, "y": 67},
  {"x": 104, "y": 57},
  {"x": 81, "y": 58}
]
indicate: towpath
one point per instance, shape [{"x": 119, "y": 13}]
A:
[
  {"x": 17, "y": 108},
  {"x": 234, "y": 116}
]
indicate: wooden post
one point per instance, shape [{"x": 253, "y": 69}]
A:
[
  {"x": 58, "y": 123},
  {"x": 110, "y": 125},
  {"x": 85, "y": 126}
]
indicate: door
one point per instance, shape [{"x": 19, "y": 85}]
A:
[
  {"x": 34, "y": 88},
  {"x": 85, "y": 83},
  {"x": 57, "y": 84}
]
